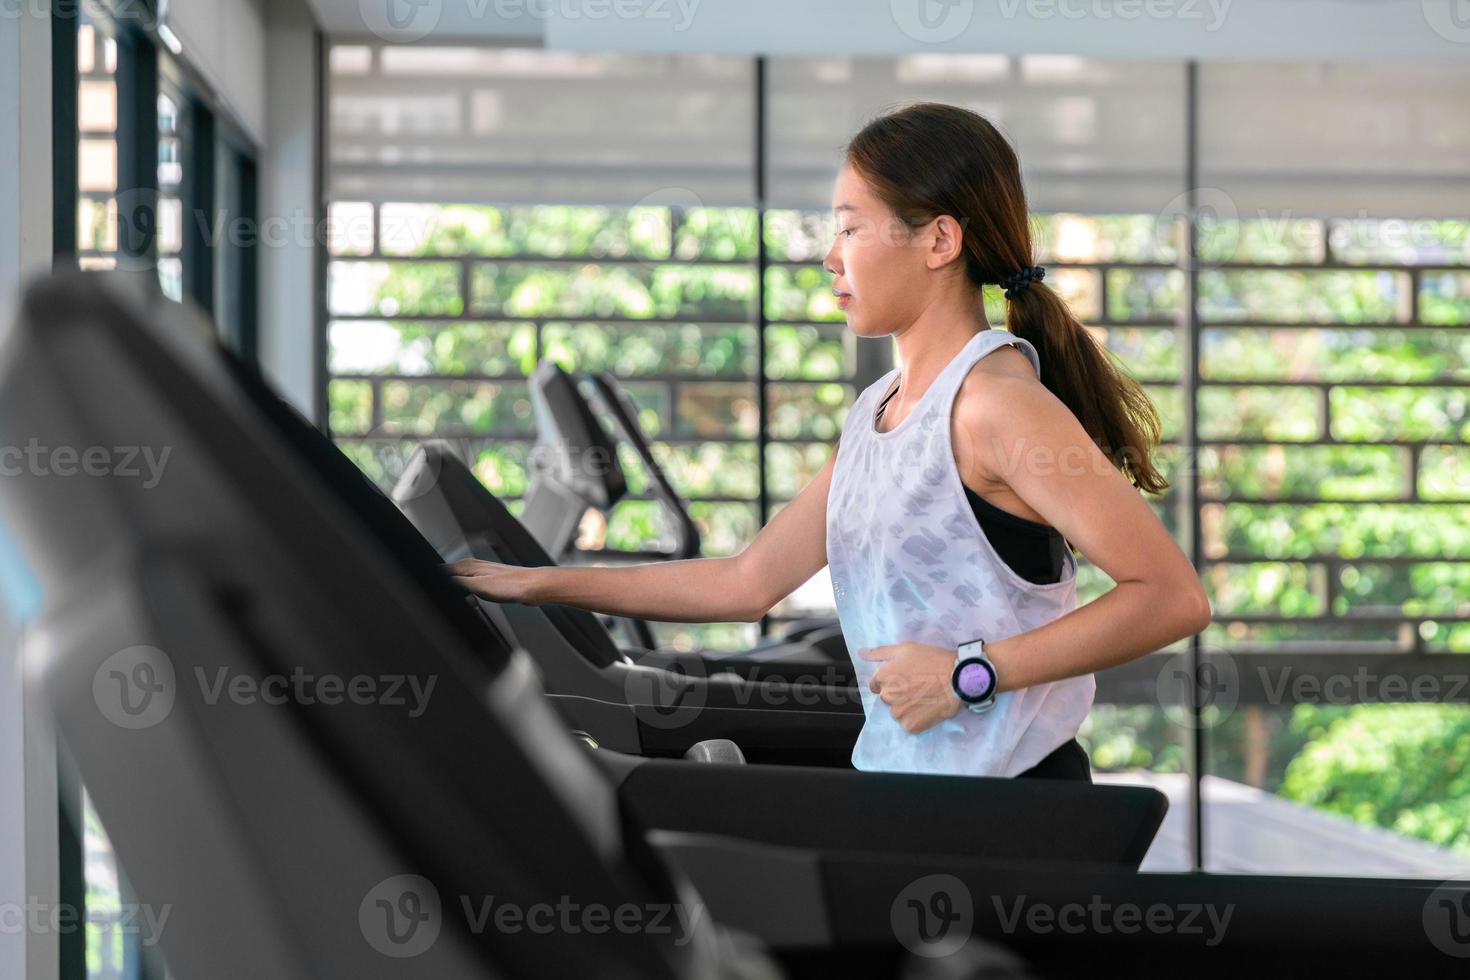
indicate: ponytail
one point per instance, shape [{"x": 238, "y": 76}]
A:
[{"x": 1114, "y": 409}]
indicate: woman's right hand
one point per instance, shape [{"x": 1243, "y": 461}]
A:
[{"x": 493, "y": 580}]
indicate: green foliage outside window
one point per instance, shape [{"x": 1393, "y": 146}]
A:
[{"x": 435, "y": 326}]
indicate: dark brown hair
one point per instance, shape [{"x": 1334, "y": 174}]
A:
[{"x": 930, "y": 159}]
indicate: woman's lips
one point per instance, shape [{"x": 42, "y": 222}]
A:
[{"x": 844, "y": 300}]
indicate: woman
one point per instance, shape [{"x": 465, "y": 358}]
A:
[{"x": 946, "y": 510}]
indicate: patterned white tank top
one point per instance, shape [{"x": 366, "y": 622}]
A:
[{"x": 910, "y": 562}]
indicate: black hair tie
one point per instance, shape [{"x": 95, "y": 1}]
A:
[{"x": 1016, "y": 282}]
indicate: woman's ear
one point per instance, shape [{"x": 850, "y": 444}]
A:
[{"x": 949, "y": 242}]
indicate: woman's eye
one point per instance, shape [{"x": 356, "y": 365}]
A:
[{"x": 845, "y": 231}]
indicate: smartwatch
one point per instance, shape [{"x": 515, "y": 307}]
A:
[{"x": 974, "y": 679}]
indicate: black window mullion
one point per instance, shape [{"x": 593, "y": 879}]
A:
[
  {"x": 197, "y": 200},
  {"x": 71, "y": 871},
  {"x": 244, "y": 255},
  {"x": 1196, "y": 734},
  {"x": 64, "y": 129},
  {"x": 763, "y": 499},
  {"x": 137, "y": 151}
]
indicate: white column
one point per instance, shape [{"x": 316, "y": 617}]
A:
[
  {"x": 28, "y": 800},
  {"x": 290, "y": 218}
]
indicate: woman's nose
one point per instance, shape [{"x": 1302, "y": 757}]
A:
[{"x": 830, "y": 261}]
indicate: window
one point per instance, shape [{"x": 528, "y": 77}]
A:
[
  {"x": 1301, "y": 338},
  {"x": 608, "y": 241},
  {"x": 142, "y": 132},
  {"x": 97, "y": 117},
  {"x": 170, "y": 221}
]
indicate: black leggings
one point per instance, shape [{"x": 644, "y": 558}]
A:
[{"x": 1068, "y": 761}]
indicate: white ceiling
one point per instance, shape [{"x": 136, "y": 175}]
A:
[{"x": 1337, "y": 30}]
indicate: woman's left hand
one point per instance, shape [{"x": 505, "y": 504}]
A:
[{"x": 913, "y": 679}]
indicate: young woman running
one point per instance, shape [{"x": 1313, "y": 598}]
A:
[{"x": 960, "y": 485}]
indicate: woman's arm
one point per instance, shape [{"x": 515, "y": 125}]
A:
[
  {"x": 742, "y": 588},
  {"x": 1021, "y": 434}
]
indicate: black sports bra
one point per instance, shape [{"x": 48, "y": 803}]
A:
[{"x": 1036, "y": 552}]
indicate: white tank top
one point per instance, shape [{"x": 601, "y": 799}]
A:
[{"x": 909, "y": 561}]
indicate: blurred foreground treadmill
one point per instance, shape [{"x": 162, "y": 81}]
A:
[
  {"x": 347, "y": 839},
  {"x": 779, "y": 704},
  {"x": 562, "y": 488}
]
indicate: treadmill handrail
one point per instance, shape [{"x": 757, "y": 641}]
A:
[{"x": 619, "y": 407}]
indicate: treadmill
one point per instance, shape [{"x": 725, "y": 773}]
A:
[
  {"x": 778, "y": 704},
  {"x": 561, "y": 490},
  {"x": 309, "y": 839}
]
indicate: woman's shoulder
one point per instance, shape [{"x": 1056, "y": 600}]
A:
[
  {"x": 1002, "y": 396},
  {"x": 1006, "y": 360}
]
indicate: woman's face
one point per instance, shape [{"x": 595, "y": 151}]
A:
[{"x": 878, "y": 263}]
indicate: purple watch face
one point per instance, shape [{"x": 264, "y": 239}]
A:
[{"x": 975, "y": 680}]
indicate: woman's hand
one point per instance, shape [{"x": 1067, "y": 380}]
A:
[
  {"x": 914, "y": 680},
  {"x": 492, "y": 580}
]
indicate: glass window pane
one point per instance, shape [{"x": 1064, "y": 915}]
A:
[{"x": 1338, "y": 789}]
